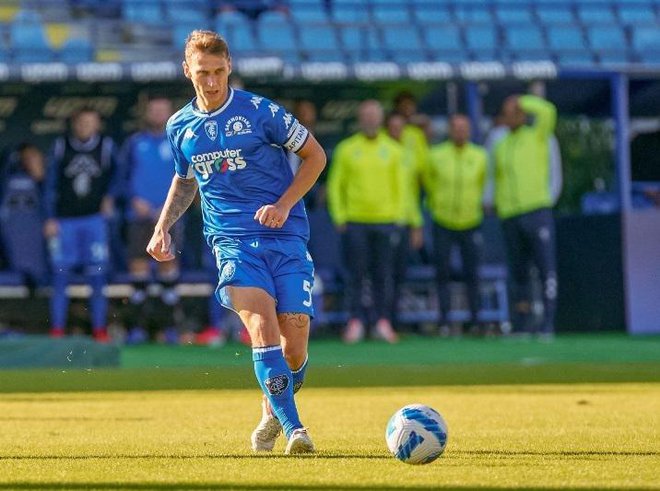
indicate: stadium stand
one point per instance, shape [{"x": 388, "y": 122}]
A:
[{"x": 565, "y": 31}]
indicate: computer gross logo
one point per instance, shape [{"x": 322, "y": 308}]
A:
[{"x": 221, "y": 162}]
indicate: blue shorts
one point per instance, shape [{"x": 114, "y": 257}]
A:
[
  {"x": 81, "y": 241},
  {"x": 282, "y": 267}
]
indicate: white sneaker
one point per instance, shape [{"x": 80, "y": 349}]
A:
[
  {"x": 299, "y": 443},
  {"x": 269, "y": 428}
]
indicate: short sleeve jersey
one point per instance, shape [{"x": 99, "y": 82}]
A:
[{"x": 237, "y": 153}]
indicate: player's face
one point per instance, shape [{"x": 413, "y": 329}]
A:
[
  {"x": 86, "y": 125},
  {"x": 157, "y": 113},
  {"x": 209, "y": 75},
  {"x": 459, "y": 130},
  {"x": 512, "y": 115},
  {"x": 370, "y": 117},
  {"x": 395, "y": 124}
]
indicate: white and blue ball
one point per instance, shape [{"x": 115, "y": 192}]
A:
[{"x": 416, "y": 434}]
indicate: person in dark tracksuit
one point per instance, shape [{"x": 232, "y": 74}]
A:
[
  {"x": 454, "y": 181},
  {"x": 523, "y": 199},
  {"x": 366, "y": 203}
]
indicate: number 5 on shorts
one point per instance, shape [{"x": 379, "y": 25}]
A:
[{"x": 307, "y": 286}]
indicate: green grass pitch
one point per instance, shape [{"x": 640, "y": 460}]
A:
[{"x": 522, "y": 429}]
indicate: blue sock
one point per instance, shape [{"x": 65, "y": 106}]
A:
[
  {"x": 276, "y": 382},
  {"x": 98, "y": 302},
  {"x": 299, "y": 376},
  {"x": 59, "y": 302}
]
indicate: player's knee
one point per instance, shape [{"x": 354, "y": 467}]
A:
[{"x": 294, "y": 355}]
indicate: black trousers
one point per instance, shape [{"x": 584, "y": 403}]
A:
[
  {"x": 469, "y": 244},
  {"x": 368, "y": 255},
  {"x": 530, "y": 240}
]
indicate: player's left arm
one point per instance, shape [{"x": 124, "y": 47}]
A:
[{"x": 313, "y": 162}]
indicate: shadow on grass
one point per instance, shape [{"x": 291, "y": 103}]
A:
[{"x": 562, "y": 453}]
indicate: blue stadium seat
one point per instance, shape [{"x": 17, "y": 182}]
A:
[
  {"x": 402, "y": 37},
  {"x": 576, "y": 58},
  {"x": 360, "y": 38},
  {"x": 481, "y": 37},
  {"x": 607, "y": 38},
  {"x": 77, "y": 50},
  {"x": 646, "y": 41},
  {"x": 518, "y": 15},
  {"x": 596, "y": 14},
  {"x": 318, "y": 38},
  {"x": 28, "y": 39},
  {"x": 443, "y": 38},
  {"x": 349, "y": 11},
  {"x": 426, "y": 12},
  {"x": 409, "y": 56},
  {"x": 616, "y": 57},
  {"x": 390, "y": 12},
  {"x": 528, "y": 38},
  {"x": 473, "y": 13},
  {"x": 238, "y": 31},
  {"x": 555, "y": 14},
  {"x": 276, "y": 34},
  {"x": 187, "y": 11},
  {"x": 142, "y": 12},
  {"x": 566, "y": 39},
  {"x": 308, "y": 12},
  {"x": 636, "y": 15}
]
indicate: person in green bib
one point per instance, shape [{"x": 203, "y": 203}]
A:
[
  {"x": 366, "y": 184},
  {"x": 524, "y": 200},
  {"x": 454, "y": 181}
]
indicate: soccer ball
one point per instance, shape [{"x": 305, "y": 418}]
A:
[{"x": 416, "y": 434}]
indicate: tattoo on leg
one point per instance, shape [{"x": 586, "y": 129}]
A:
[{"x": 294, "y": 319}]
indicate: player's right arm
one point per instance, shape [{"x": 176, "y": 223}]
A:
[{"x": 180, "y": 196}]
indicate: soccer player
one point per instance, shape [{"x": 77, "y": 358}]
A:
[
  {"x": 231, "y": 145},
  {"x": 81, "y": 186}
]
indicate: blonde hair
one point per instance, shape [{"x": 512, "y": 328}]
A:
[{"x": 205, "y": 42}]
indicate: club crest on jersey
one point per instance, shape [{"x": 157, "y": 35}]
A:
[
  {"x": 238, "y": 125},
  {"x": 211, "y": 129}
]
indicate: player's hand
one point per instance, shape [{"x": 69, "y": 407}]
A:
[
  {"x": 416, "y": 238},
  {"x": 160, "y": 246},
  {"x": 51, "y": 228},
  {"x": 272, "y": 216}
]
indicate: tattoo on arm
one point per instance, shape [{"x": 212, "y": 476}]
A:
[
  {"x": 297, "y": 320},
  {"x": 181, "y": 194}
]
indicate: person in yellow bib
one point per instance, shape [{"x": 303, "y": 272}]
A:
[
  {"x": 454, "y": 181},
  {"x": 524, "y": 200},
  {"x": 412, "y": 234},
  {"x": 366, "y": 204}
]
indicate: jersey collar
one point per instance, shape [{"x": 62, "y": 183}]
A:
[{"x": 202, "y": 114}]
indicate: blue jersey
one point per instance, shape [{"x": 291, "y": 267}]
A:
[
  {"x": 237, "y": 153},
  {"x": 149, "y": 160}
]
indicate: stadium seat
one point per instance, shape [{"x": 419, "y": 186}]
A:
[
  {"x": 425, "y": 12},
  {"x": 402, "y": 37},
  {"x": 646, "y": 39},
  {"x": 635, "y": 15},
  {"x": 390, "y": 12},
  {"x": 576, "y": 58},
  {"x": 565, "y": 38},
  {"x": 555, "y": 14},
  {"x": 473, "y": 13},
  {"x": 607, "y": 38},
  {"x": 318, "y": 38},
  {"x": 276, "y": 34},
  {"x": 28, "y": 39},
  {"x": 238, "y": 31},
  {"x": 77, "y": 50},
  {"x": 187, "y": 11},
  {"x": 409, "y": 56},
  {"x": 360, "y": 38},
  {"x": 349, "y": 12},
  {"x": 615, "y": 57},
  {"x": 596, "y": 14},
  {"x": 524, "y": 39},
  {"x": 510, "y": 15},
  {"x": 142, "y": 12},
  {"x": 308, "y": 12},
  {"x": 481, "y": 38},
  {"x": 443, "y": 38}
]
